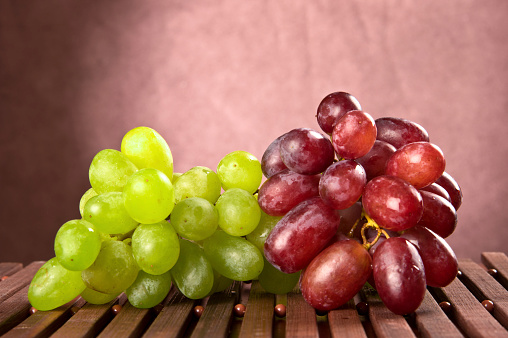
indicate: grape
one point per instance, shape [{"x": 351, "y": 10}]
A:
[
  {"x": 107, "y": 213},
  {"x": 333, "y": 107},
  {"x": 113, "y": 271},
  {"x": 77, "y": 245},
  {"x": 438, "y": 190},
  {"x": 266, "y": 224},
  {"x": 198, "y": 182},
  {"x": 84, "y": 199},
  {"x": 95, "y": 297},
  {"x": 195, "y": 218},
  {"x": 399, "y": 275},
  {"x": 419, "y": 163},
  {"x": 439, "y": 215},
  {"x": 192, "y": 273},
  {"x": 149, "y": 196},
  {"x": 392, "y": 203},
  {"x": 233, "y": 257},
  {"x": 399, "y": 132},
  {"x": 440, "y": 262},
  {"x": 240, "y": 169},
  {"x": 271, "y": 162},
  {"x": 148, "y": 290},
  {"x": 284, "y": 190},
  {"x": 146, "y": 148},
  {"x": 276, "y": 281},
  {"x": 155, "y": 247},
  {"x": 342, "y": 184},
  {"x": 335, "y": 275},
  {"x": 110, "y": 170},
  {"x": 354, "y": 134},
  {"x": 239, "y": 212},
  {"x": 349, "y": 216},
  {"x": 301, "y": 234},
  {"x": 452, "y": 187},
  {"x": 374, "y": 162},
  {"x": 306, "y": 151},
  {"x": 53, "y": 286},
  {"x": 220, "y": 283}
]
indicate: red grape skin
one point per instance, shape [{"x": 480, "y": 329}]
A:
[
  {"x": 349, "y": 216},
  {"x": 440, "y": 262},
  {"x": 301, "y": 234},
  {"x": 392, "y": 203},
  {"x": 419, "y": 163},
  {"x": 342, "y": 184},
  {"x": 271, "y": 162},
  {"x": 306, "y": 151},
  {"x": 332, "y": 107},
  {"x": 438, "y": 190},
  {"x": 284, "y": 190},
  {"x": 335, "y": 275},
  {"x": 439, "y": 215},
  {"x": 399, "y": 132},
  {"x": 453, "y": 189},
  {"x": 399, "y": 275},
  {"x": 354, "y": 134},
  {"x": 374, "y": 162}
]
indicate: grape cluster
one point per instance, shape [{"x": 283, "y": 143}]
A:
[{"x": 367, "y": 202}]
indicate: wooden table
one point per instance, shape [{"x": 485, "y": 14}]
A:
[{"x": 466, "y": 316}]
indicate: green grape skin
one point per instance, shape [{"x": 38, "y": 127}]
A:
[
  {"x": 276, "y": 281},
  {"x": 148, "y": 290},
  {"x": 239, "y": 212},
  {"x": 108, "y": 215},
  {"x": 95, "y": 297},
  {"x": 192, "y": 273},
  {"x": 175, "y": 177},
  {"x": 198, "y": 182},
  {"x": 77, "y": 245},
  {"x": 53, "y": 286},
  {"x": 233, "y": 257},
  {"x": 220, "y": 283},
  {"x": 86, "y": 196},
  {"x": 149, "y": 196},
  {"x": 110, "y": 170},
  {"x": 195, "y": 218},
  {"x": 260, "y": 233},
  {"x": 146, "y": 148},
  {"x": 155, "y": 247},
  {"x": 240, "y": 169},
  {"x": 114, "y": 270}
]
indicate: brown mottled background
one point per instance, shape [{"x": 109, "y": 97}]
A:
[{"x": 217, "y": 76}]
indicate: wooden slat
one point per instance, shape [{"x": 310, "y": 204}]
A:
[
  {"x": 14, "y": 310},
  {"x": 218, "y": 314},
  {"x": 89, "y": 320},
  {"x": 431, "y": 321},
  {"x": 18, "y": 280},
  {"x": 301, "y": 318},
  {"x": 484, "y": 286},
  {"x": 129, "y": 322},
  {"x": 259, "y": 314},
  {"x": 345, "y": 322},
  {"x": 498, "y": 261},
  {"x": 9, "y": 268},
  {"x": 472, "y": 318}
]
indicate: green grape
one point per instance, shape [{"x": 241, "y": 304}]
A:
[
  {"x": 108, "y": 215},
  {"x": 266, "y": 224},
  {"x": 220, "y": 283},
  {"x": 95, "y": 297},
  {"x": 233, "y": 257},
  {"x": 146, "y": 148},
  {"x": 114, "y": 270},
  {"x": 276, "y": 281},
  {"x": 175, "y": 177},
  {"x": 192, "y": 273},
  {"x": 240, "y": 169},
  {"x": 239, "y": 212},
  {"x": 109, "y": 171},
  {"x": 148, "y": 290},
  {"x": 195, "y": 218},
  {"x": 149, "y": 196},
  {"x": 198, "y": 182},
  {"x": 77, "y": 245},
  {"x": 86, "y": 196},
  {"x": 53, "y": 286},
  {"x": 155, "y": 247}
]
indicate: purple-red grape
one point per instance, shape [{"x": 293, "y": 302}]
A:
[
  {"x": 342, "y": 184},
  {"x": 354, "y": 134},
  {"x": 349, "y": 216},
  {"x": 439, "y": 215},
  {"x": 271, "y": 162},
  {"x": 374, "y": 162},
  {"x": 453, "y": 189},
  {"x": 438, "y": 190},
  {"x": 399, "y": 132},
  {"x": 332, "y": 107}
]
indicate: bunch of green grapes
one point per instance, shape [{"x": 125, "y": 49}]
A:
[{"x": 144, "y": 229}]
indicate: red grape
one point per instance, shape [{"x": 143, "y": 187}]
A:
[
  {"x": 271, "y": 162},
  {"x": 453, "y": 189},
  {"x": 438, "y": 190},
  {"x": 354, "y": 134},
  {"x": 332, "y": 107},
  {"x": 374, "y": 162},
  {"x": 342, "y": 184},
  {"x": 399, "y": 132},
  {"x": 439, "y": 215}
]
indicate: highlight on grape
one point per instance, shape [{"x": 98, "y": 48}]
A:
[{"x": 363, "y": 203}]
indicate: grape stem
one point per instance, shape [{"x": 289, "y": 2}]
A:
[{"x": 370, "y": 223}]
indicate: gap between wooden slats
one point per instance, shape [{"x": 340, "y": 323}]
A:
[
  {"x": 259, "y": 314},
  {"x": 498, "y": 261}
]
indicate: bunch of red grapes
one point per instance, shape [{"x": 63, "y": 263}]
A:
[{"x": 369, "y": 202}]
